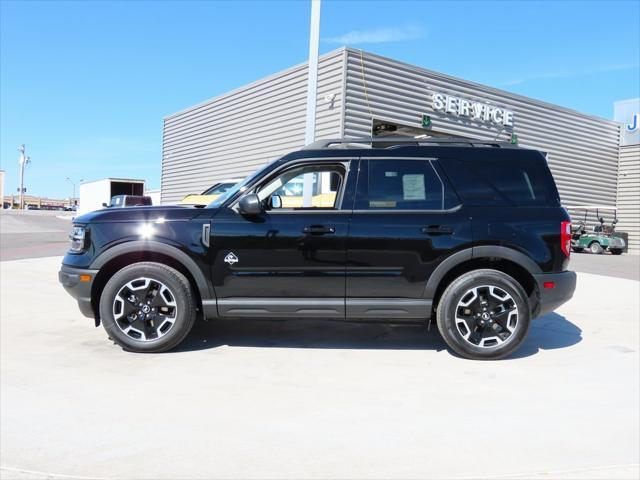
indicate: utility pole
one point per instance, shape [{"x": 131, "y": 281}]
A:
[
  {"x": 312, "y": 84},
  {"x": 23, "y": 161}
]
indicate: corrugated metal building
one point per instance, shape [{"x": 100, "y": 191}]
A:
[
  {"x": 627, "y": 112},
  {"x": 360, "y": 94}
]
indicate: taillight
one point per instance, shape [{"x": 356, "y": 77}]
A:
[{"x": 565, "y": 238}]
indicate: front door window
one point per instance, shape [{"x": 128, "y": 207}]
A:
[{"x": 305, "y": 187}]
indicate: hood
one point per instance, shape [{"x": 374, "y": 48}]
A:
[{"x": 136, "y": 214}]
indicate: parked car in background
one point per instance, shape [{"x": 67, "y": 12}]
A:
[
  {"x": 120, "y": 201},
  {"x": 210, "y": 194},
  {"x": 467, "y": 233}
]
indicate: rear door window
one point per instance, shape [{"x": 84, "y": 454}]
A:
[{"x": 412, "y": 184}]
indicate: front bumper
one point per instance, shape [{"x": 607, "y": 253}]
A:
[
  {"x": 616, "y": 243},
  {"x": 551, "y": 298},
  {"x": 69, "y": 277}
]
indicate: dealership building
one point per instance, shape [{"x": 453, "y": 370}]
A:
[{"x": 595, "y": 161}]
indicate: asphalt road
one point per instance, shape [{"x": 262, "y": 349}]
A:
[
  {"x": 312, "y": 399},
  {"x": 620, "y": 266},
  {"x": 33, "y": 234}
]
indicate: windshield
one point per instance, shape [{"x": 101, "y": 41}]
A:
[
  {"x": 239, "y": 187},
  {"x": 218, "y": 189}
]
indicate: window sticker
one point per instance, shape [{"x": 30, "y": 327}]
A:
[
  {"x": 390, "y": 174},
  {"x": 413, "y": 187}
]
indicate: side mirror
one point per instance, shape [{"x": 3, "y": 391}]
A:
[
  {"x": 250, "y": 205},
  {"x": 105, "y": 205},
  {"x": 275, "y": 201}
]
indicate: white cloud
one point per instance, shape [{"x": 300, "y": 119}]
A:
[
  {"x": 574, "y": 73},
  {"x": 379, "y": 35}
]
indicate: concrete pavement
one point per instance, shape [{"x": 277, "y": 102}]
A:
[{"x": 311, "y": 399}]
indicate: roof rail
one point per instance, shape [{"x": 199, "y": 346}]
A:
[{"x": 369, "y": 142}]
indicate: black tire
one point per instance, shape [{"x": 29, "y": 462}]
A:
[
  {"x": 616, "y": 252},
  {"x": 458, "y": 290},
  {"x": 577, "y": 249},
  {"x": 596, "y": 248},
  {"x": 177, "y": 322}
]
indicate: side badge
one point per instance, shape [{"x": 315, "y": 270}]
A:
[{"x": 231, "y": 258}]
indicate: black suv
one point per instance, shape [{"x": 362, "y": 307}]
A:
[{"x": 468, "y": 233}]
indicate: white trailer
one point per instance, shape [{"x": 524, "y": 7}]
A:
[
  {"x": 94, "y": 194},
  {"x": 154, "y": 193}
]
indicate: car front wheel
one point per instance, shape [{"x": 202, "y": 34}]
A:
[
  {"x": 483, "y": 315},
  {"x": 147, "y": 307}
]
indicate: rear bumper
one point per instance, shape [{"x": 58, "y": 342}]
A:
[
  {"x": 69, "y": 277},
  {"x": 551, "y": 298}
]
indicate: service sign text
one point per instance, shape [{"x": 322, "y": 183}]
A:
[{"x": 474, "y": 110}]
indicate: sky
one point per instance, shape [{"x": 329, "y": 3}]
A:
[{"x": 85, "y": 85}]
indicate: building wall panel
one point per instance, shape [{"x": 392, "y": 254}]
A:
[
  {"x": 582, "y": 150},
  {"x": 629, "y": 195},
  {"x": 232, "y": 135}
]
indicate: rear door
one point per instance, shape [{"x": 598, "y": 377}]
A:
[{"x": 406, "y": 219}]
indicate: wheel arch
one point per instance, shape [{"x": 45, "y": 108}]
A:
[
  {"x": 119, "y": 256},
  {"x": 503, "y": 259}
]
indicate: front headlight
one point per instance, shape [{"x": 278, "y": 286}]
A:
[{"x": 77, "y": 237}]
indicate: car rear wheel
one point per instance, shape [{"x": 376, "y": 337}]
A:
[
  {"x": 147, "y": 307},
  {"x": 616, "y": 252},
  {"x": 596, "y": 248},
  {"x": 483, "y": 315}
]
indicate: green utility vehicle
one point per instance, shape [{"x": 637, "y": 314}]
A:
[{"x": 600, "y": 237}]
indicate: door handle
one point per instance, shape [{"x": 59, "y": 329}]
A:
[
  {"x": 318, "y": 230},
  {"x": 437, "y": 230}
]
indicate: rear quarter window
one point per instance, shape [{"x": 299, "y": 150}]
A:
[
  {"x": 511, "y": 181},
  {"x": 520, "y": 182}
]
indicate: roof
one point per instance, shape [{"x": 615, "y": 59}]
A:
[{"x": 115, "y": 179}]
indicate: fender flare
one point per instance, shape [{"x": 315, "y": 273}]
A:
[
  {"x": 507, "y": 253},
  {"x": 485, "y": 251},
  {"x": 137, "y": 246},
  {"x": 443, "y": 268}
]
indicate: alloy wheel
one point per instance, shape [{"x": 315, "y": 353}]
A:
[
  {"x": 486, "y": 316},
  {"x": 145, "y": 309}
]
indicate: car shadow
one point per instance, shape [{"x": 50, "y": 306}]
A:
[{"x": 548, "y": 332}]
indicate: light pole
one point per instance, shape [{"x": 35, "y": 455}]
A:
[
  {"x": 24, "y": 160},
  {"x": 74, "y": 188},
  {"x": 312, "y": 84}
]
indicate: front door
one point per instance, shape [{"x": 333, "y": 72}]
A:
[
  {"x": 290, "y": 260},
  {"x": 406, "y": 219}
]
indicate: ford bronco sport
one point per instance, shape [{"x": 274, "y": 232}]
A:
[{"x": 468, "y": 233}]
